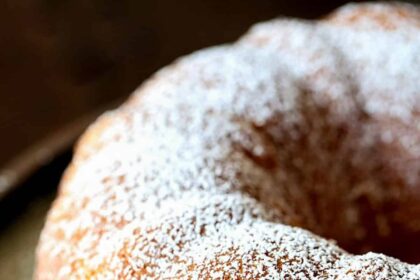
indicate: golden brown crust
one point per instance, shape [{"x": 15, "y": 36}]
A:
[{"x": 215, "y": 164}]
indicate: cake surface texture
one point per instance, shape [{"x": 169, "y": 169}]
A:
[{"x": 261, "y": 159}]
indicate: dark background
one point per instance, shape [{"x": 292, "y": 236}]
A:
[{"x": 61, "y": 59}]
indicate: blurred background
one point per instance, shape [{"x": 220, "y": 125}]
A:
[{"x": 62, "y": 60}]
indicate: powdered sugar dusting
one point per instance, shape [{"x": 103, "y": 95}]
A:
[{"x": 217, "y": 164}]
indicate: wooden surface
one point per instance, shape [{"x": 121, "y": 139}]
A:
[{"x": 61, "y": 59}]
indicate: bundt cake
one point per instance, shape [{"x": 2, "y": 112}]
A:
[{"x": 256, "y": 160}]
